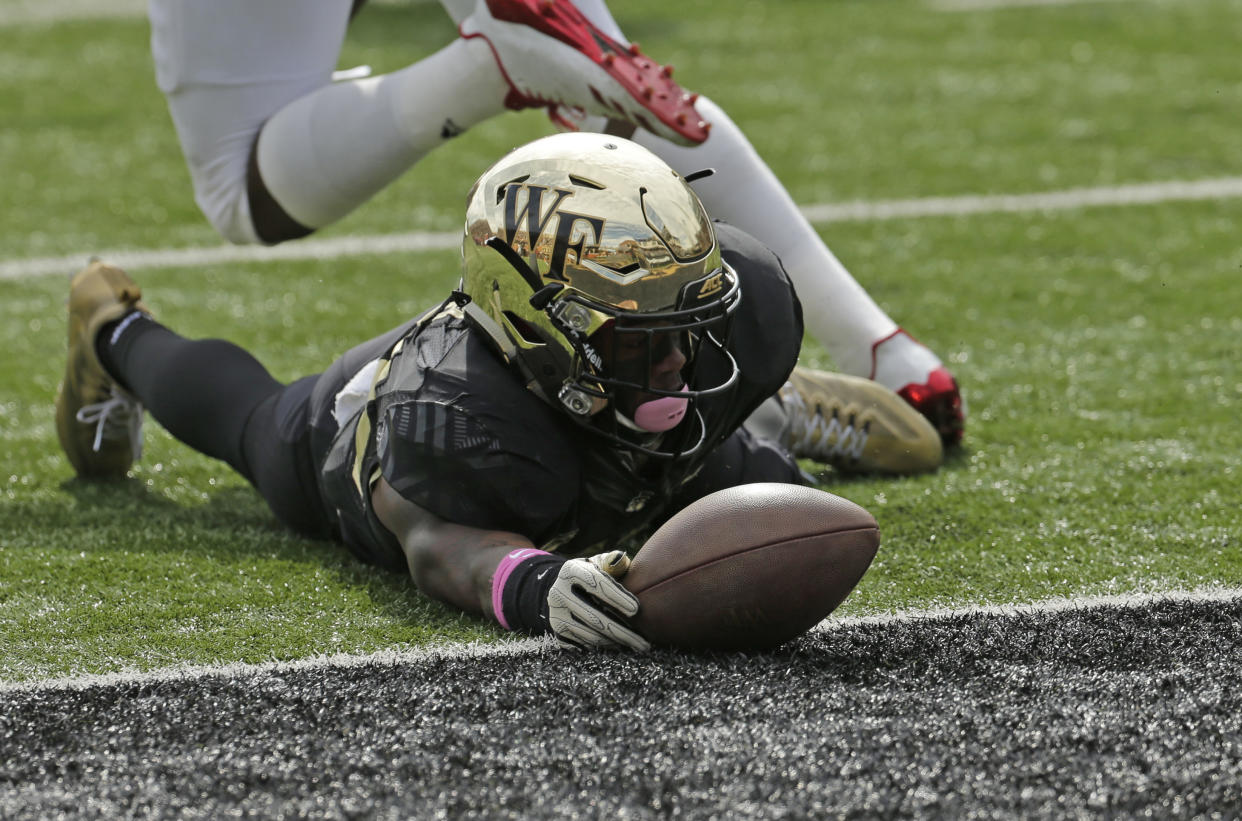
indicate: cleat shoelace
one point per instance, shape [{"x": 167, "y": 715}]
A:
[
  {"x": 116, "y": 418},
  {"x": 824, "y": 439}
]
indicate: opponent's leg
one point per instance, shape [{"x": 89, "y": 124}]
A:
[
  {"x": 331, "y": 150},
  {"x": 326, "y": 153},
  {"x": 275, "y": 148},
  {"x": 860, "y": 336},
  {"x": 225, "y": 67},
  {"x": 862, "y": 339},
  {"x": 231, "y": 68}
]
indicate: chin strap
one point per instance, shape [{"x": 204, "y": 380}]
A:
[
  {"x": 547, "y": 390},
  {"x": 481, "y": 318}
]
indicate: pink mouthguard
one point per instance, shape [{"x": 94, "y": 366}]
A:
[{"x": 661, "y": 414}]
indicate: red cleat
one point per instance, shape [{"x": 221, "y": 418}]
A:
[
  {"x": 941, "y": 402},
  {"x": 552, "y": 56},
  {"x": 901, "y": 363}
]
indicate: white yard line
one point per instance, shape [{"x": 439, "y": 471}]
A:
[
  {"x": 505, "y": 647},
  {"x": 1110, "y": 195},
  {"x": 191, "y": 257},
  {"x": 987, "y": 5},
  {"x": 1127, "y": 601},
  {"x": 521, "y": 646},
  {"x": 858, "y": 211}
]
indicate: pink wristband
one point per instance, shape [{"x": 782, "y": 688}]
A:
[{"x": 503, "y": 571}]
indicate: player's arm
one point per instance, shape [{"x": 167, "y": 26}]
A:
[{"x": 502, "y": 575}]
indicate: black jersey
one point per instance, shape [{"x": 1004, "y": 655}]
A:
[{"x": 454, "y": 430}]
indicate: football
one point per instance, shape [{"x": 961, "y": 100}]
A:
[{"x": 750, "y": 567}]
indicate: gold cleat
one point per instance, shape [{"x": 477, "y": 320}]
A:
[
  {"x": 98, "y": 423},
  {"x": 856, "y": 425}
]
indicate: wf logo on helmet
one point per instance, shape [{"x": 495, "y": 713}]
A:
[{"x": 535, "y": 218}]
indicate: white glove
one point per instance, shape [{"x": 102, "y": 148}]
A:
[{"x": 585, "y": 599}]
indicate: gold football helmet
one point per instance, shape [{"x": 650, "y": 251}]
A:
[{"x": 577, "y": 235}]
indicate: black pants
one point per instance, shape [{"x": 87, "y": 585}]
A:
[{"x": 218, "y": 399}]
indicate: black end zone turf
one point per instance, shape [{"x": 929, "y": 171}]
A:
[{"x": 1090, "y": 713}]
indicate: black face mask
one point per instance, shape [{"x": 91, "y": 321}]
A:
[
  {"x": 645, "y": 364},
  {"x": 629, "y": 354}
]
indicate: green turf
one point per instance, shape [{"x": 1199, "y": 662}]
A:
[{"x": 1099, "y": 349}]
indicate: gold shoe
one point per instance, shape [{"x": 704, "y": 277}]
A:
[
  {"x": 98, "y": 423},
  {"x": 855, "y": 424}
]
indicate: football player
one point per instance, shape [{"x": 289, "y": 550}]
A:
[
  {"x": 594, "y": 373},
  {"x": 276, "y": 149}
]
